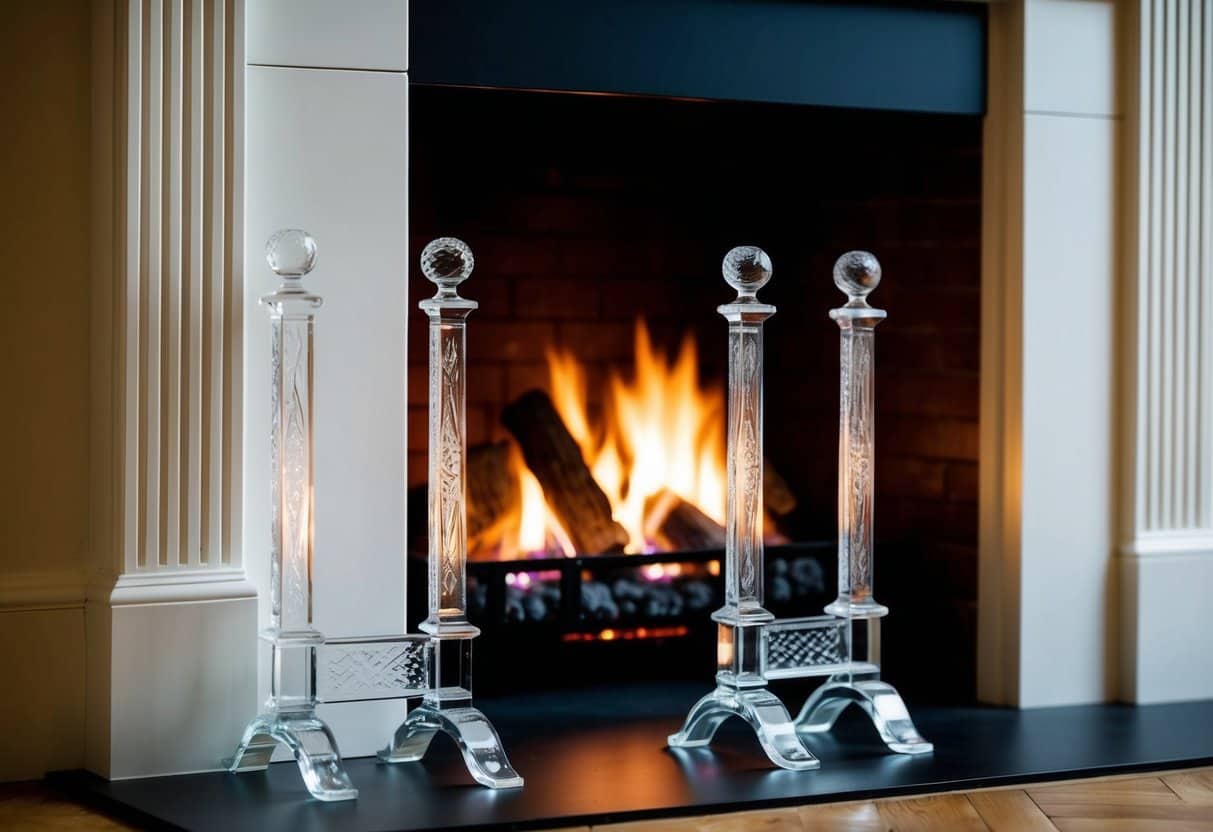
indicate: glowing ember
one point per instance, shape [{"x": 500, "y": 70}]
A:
[
  {"x": 630, "y": 634},
  {"x": 523, "y": 580},
  {"x": 662, "y": 571}
]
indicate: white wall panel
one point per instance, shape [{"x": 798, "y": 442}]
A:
[
  {"x": 342, "y": 34},
  {"x": 1070, "y": 57},
  {"x": 327, "y": 152},
  {"x": 1047, "y": 601},
  {"x": 1069, "y": 367}
]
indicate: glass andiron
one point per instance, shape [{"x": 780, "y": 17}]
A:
[
  {"x": 741, "y": 684},
  {"x": 447, "y": 703},
  {"x": 290, "y": 716},
  {"x": 856, "y": 274},
  {"x": 753, "y": 647},
  {"x": 435, "y": 665}
]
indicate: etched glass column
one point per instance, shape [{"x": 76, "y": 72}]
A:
[
  {"x": 447, "y": 263},
  {"x": 447, "y": 704},
  {"x": 290, "y": 716},
  {"x": 856, "y": 273},
  {"x": 740, "y": 672},
  {"x": 747, "y": 270}
]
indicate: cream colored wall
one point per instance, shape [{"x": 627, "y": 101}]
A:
[
  {"x": 44, "y": 312},
  {"x": 44, "y": 376}
]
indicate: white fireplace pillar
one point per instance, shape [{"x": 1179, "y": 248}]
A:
[
  {"x": 326, "y": 88},
  {"x": 179, "y": 463},
  {"x": 1166, "y": 510},
  {"x": 1096, "y": 547},
  {"x": 169, "y": 617},
  {"x": 1046, "y": 591}
]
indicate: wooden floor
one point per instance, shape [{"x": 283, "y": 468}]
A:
[{"x": 1180, "y": 801}]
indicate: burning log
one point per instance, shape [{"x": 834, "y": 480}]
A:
[
  {"x": 776, "y": 495},
  {"x": 492, "y": 498},
  {"x": 569, "y": 488},
  {"x": 677, "y": 525},
  {"x": 493, "y": 495}
]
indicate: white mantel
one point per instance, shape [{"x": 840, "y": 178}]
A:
[
  {"x": 168, "y": 603},
  {"x": 1096, "y": 528}
]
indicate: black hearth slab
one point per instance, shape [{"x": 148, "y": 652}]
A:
[{"x": 599, "y": 756}]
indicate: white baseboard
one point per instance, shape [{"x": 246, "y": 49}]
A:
[
  {"x": 172, "y": 676},
  {"x": 1166, "y": 637},
  {"x": 178, "y": 585}
]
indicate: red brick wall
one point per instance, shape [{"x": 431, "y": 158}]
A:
[{"x": 585, "y": 212}]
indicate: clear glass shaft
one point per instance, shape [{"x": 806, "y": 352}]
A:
[
  {"x": 291, "y": 458},
  {"x": 744, "y": 508},
  {"x": 294, "y": 639},
  {"x": 856, "y": 467},
  {"x": 447, "y": 466}
]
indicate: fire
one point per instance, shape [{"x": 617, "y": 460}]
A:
[
  {"x": 661, "y": 432},
  {"x": 538, "y": 528}
]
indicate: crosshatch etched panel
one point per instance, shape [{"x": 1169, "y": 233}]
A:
[
  {"x": 812, "y": 645},
  {"x": 386, "y": 669}
]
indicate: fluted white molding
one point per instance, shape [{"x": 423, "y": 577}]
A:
[
  {"x": 170, "y": 618},
  {"x": 1169, "y": 260},
  {"x": 1167, "y": 466},
  {"x": 171, "y": 239}
]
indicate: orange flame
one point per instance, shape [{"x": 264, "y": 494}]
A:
[{"x": 661, "y": 432}]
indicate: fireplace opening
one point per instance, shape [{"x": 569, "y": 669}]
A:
[{"x": 597, "y": 365}]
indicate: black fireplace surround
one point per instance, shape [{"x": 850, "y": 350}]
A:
[{"x": 909, "y": 56}]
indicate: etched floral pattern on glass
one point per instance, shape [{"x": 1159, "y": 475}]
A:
[{"x": 744, "y": 521}]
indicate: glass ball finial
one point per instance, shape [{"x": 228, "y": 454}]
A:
[
  {"x": 447, "y": 262},
  {"x": 291, "y": 252},
  {"x": 856, "y": 274},
  {"x": 747, "y": 269}
]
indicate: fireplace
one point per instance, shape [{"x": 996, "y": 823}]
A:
[
  {"x": 1094, "y": 517},
  {"x": 598, "y": 224}
]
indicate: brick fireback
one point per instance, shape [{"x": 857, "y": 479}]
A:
[{"x": 585, "y": 212}]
